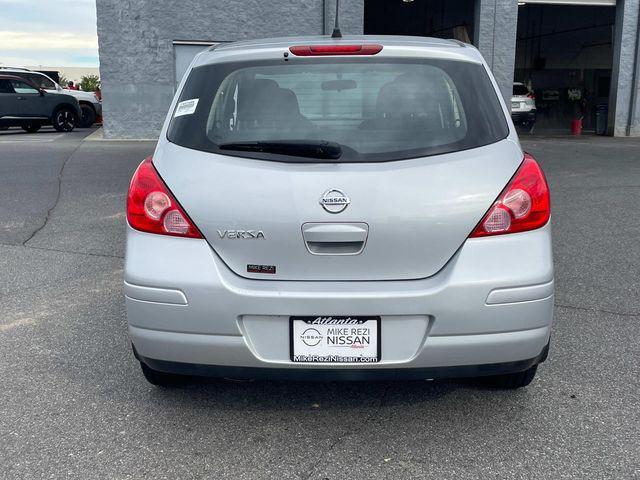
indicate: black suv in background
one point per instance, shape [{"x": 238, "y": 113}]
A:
[
  {"x": 23, "y": 104},
  {"x": 90, "y": 105}
]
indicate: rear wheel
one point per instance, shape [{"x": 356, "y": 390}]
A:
[
  {"x": 65, "y": 119},
  {"x": 511, "y": 381},
  {"x": 31, "y": 127},
  {"x": 88, "y": 116},
  {"x": 162, "y": 379}
]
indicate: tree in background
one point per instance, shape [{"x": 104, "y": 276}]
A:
[
  {"x": 89, "y": 83},
  {"x": 62, "y": 80}
]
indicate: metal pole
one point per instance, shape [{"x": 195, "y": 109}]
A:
[
  {"x": 634, "y": 83},
  {"x": 324, "y": 17}
]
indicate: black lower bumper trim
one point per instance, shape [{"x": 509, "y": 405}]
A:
[
  {"x": 523, "y": 117},
  {"x": 342, "y": 374}
]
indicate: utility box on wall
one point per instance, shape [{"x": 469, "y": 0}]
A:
[{"x": 184, "y": 52}]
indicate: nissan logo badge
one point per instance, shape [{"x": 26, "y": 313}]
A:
[{"x": 334, "y": 201}]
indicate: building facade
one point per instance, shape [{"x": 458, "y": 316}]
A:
[{"x": 580, "y": 57}]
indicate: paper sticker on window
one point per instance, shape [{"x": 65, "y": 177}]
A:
[{"x": 186, "y": 108}]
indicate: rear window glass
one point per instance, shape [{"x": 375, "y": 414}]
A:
[
  {"x": 5, "y": 86},
  {"x": 42, "y": 81},
  {"x": 373, "y": 110},
  {"x": 23, "y": 87},
  {"x": 520, "y": 90}
]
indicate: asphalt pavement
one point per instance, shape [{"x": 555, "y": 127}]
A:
[{"x": 73, "y": 403}]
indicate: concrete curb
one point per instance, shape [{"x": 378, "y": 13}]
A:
[{"x": 98, "y": 136}]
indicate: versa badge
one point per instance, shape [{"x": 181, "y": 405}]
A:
[{"x": 241, "y": 234}]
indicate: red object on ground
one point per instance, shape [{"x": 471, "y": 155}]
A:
[{"x": 576, "y": 127}]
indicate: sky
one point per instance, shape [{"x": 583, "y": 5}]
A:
[{"x": 60, "y": 33}]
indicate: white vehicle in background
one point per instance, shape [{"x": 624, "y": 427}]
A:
[
  {"x": 523, "y": 106},
  {"x": 90, "y": 105}
]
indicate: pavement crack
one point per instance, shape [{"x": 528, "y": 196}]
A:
[
  {"x": 57, "y": 199},
  {"x": 334, "y": 444},
  {"x": 598, "y": 310},
  {"x": 73, "y": 252},
  {"x": 59, "y": 250}
]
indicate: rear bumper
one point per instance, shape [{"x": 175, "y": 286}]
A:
[
  {"x": 523, "y": 117},
  {"x": 440, "y": 357},
  {"x": 492, "y": 304},
  {"x": 342, "y": 374}
]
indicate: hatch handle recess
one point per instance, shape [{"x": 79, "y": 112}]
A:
[{"x": 335, "y": 238}]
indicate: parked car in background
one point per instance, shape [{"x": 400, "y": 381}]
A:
[
  {"x": 23, "y": 104},
  {"x": 355, "y": 208},
  {"x": 90, "y": 104},
  {"x": 523, "y": 106}
]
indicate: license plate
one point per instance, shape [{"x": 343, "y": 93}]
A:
[{"x": 335, "y": 339}]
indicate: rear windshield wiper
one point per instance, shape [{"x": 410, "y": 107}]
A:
[{"x": 296, "y": 148}]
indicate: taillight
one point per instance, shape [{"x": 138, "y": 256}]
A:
[
  {"x": 531, "y": 95},
  {"x": 152, "y": 208},
  {"x": 325, "y": 50},
  {"x": 523, "y": 205}
]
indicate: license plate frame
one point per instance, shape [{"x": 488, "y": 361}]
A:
[{"x": 322, "y": 324}]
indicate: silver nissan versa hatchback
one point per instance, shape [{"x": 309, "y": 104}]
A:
[{"x": 353, "y": 208}]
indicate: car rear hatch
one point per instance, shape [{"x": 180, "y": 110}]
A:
[
  {"x": 410, "y": 216},
  {"x": 412, "y": 175}
]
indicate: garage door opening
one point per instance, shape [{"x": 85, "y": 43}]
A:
[
  {"x": 564, "y": 56},
  {"x": 184, "y": 52},
  {"x": 429, "y": 18}
]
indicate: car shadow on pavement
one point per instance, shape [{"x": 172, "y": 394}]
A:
[
  {"x": 22, "y": 133},
  {"x": 265, "y": 395}
]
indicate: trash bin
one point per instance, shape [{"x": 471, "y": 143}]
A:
[
  {"x": 602, "y": 112},
  {"x": 576, "y": 127}
]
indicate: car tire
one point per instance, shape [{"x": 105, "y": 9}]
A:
[
  {"x": 64, "y": 119},
  {"x": 162, "y": 379},
  {"x": 511, "y": 381},
  {"x": 88, "y": 116},
  {"x": 31, "y": 127}
]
